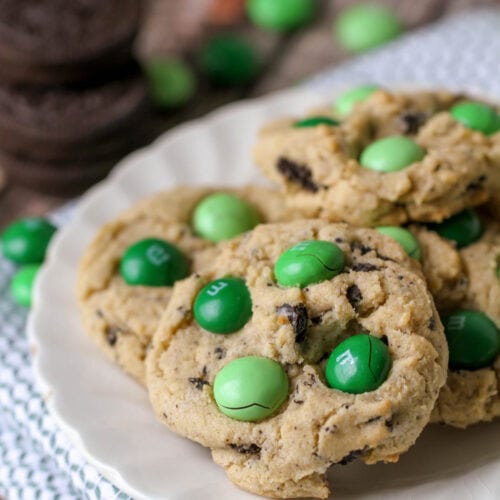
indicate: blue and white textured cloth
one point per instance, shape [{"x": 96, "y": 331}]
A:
[{"x": 36, "y": 459}]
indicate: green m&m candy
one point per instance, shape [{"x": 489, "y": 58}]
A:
[
  {"x": 153, "y": 262},
  {"x": 404, "y": 238},
  {"x": 313, "y": 121},
  {"x": 463, "y": 228},
  {"x": 359, "y": 364},
  {"x": 473, "y": 339},
  {"x": 26, "y": 240},
  {"x": 477, "y": 116},
  {"x": 171, "y": 82},
  {"x": 346, "y": 101},
  {"x": 222, "y": 216},
  {"x": 365, "y": 26},
  {"x": 280, "y": 15},
  {"x": 308, "y": 262},
  {"x": 391, "y": 154},
  {"x": 229, "y": 60},
  {"x": 223, "y": 306},
  {"x": 21, "y": 286},
  {"x": 251, "y": 388}
]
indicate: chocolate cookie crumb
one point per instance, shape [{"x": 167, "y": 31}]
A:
[
  {"x": 246, "y": 449},
  {"x": 112, "y": 334},
  {"x": 197, "y": 382},
  {"x": 364, "y": 267},
  {"x": 411, "y": 121},
  {"x": 219, "y": 352},
  {"x": 297, "y": 316},
  {"x": 354, "y": 296},
  {"x": 298, "y": 174}
]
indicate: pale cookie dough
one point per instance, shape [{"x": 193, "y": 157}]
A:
[
  {"x": 319, "y": 170},
  {"x": 474, "y": 396},
  {"x": 379, "y": 291},
  {"x": 121, "y": 318}
]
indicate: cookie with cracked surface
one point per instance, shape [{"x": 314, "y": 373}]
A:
[
  {"x": 472, "y": 396},
  {"x": 324, "y": 174},
  {"x": 121, "y": 318},
  {"x": 377, "y": 290}
]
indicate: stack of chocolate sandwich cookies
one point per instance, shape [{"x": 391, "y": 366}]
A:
[
  {"x": 72, "y": 100},
  {"x": 333, "y": 320}
]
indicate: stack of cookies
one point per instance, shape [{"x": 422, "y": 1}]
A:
[
  {"x": 293, "y": 330},
  {"x": 72, "y": 100}
]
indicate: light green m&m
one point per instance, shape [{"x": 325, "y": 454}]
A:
[
  {"x": 404, "y": 238},
  {"x": 365, "y": 26},
  {"x": 314, "y": 121},
  {"x": 308, "y": 262},
  {"x": 222, "y": 216},
  {"x": 463, "y": 228},
  {"x": 477, "y": 116},
  {"x": 473, "y": 339},
  {"x": 153, "y": 262},
  {"x": 26, "y": 240},
  {"x": 345, "y": 102},
  {"x": 359, "y": 364},
  {"x": 223, "y": 306},
  {"x": 21, "y": 287},
  {"x": 280, "y": 15},
  {"x": 391, "y": 154},
  {"x": 251, "y": 388}
]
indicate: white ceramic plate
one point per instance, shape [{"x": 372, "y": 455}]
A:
[{"x": 107, "y": 415}]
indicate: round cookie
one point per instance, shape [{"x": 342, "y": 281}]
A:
[
  {"x": 287, "y": 454},
  {"x": 472, "y": 396},
  {"x": 322, "y": 176},
  {"x": 122, "y": 318}
]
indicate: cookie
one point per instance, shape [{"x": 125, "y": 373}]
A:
[
  {"x": 121, "y": 317},
  {"x": 287, "y": 426},
  {"x": 54, "y": 41},
  {"x": 473, "y": 395},
  {"x": 357, "y": 173}
]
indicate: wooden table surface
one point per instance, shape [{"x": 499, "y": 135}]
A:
[{"x": 287, "y": 60}]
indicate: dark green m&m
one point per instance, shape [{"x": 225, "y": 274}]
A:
[
  {"x": 251, "y": 388},
  {"x": 404, "y": 238},
  {"x": 222, "y": 216},
  {"x": 359, "y": 364},
  {"x": 21, "y": 287},
  {"x": 223, "y": 306},
  {"x": 347, "y": 100},
  {"x": 308, "y": 262},
  {"x": 477, "y": 116},
  {"x": 391, "y": 154},
  {"x": 463, "y": 228},
  {"x": 153, "y": 262},
  {"x": 473, "y": 339},
  {"x": 314, "y": 121},
  {"x": 26, "y": 240}
]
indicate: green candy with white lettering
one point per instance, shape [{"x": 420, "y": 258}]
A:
[
  {"x": 251, "y": 388},
  {"x": 473, "y": 339},
  {"x": 223, "y": 306},
  {"x": 222, "y": 216},
  {"x": 308, "y": 262},
  {"x": 346, "y": 101},
  {"x": 391, "y": 154},
  {"x": 404, "y": 238},
  {"x": 360, "y": 363},
  {"x": 153, "y": 262}
]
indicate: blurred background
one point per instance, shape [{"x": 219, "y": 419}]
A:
[{"x": 85, "y": 82}]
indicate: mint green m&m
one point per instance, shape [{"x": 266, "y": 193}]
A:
[
  {"x": 21, "y": 286},
  {"x": 477, "y": 116},
  {"x": 308, "y": 262},
  {"x": 153, "y": 262},
  {"x": 365, "y": 26},
  {"x": 359, "y": 364},
  {"x": 251, "y": 388},
  {"x": 223, "y": 306},
  {"x": 280, "y": 15},
  {"x": 26, "y": 240},
  {"x": 346, "y": 101},
  {"x": 463, "y": 228},
  {"x": 314, "y": 121},
  {"x": 404, "y": 238},
  {"x": 391, "y": 154},
  {"x": 222, "y": 216},
  {"x": 473, "y": 339}
]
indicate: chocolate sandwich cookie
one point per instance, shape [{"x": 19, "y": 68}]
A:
[
  {"x": 56, "y": 41},
  {"x": 53, "y": 124}
]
